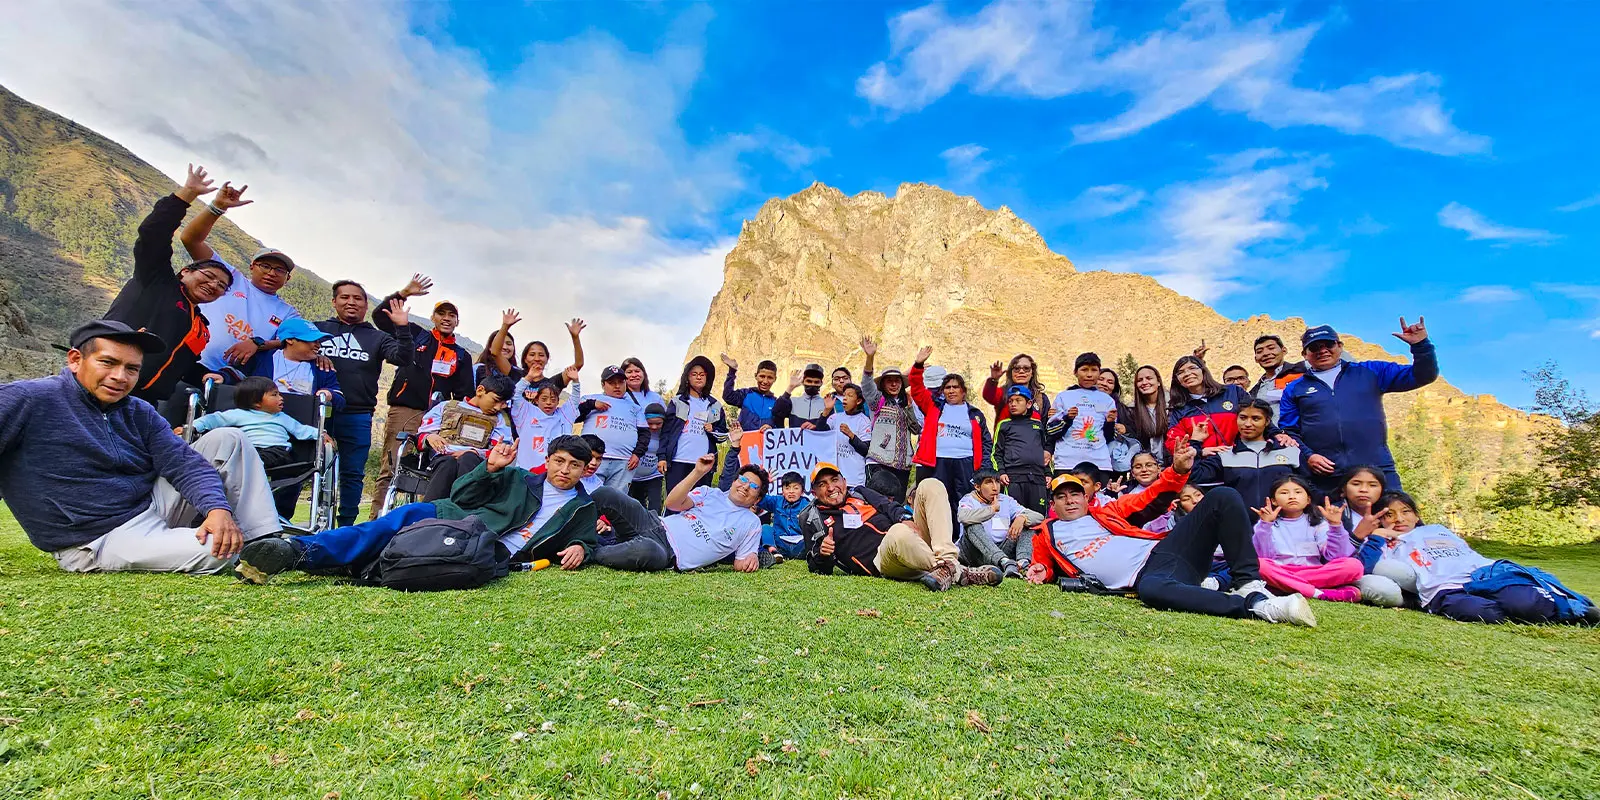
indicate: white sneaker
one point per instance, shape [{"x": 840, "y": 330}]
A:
[
  {"x": 1291, "y": 608},
  {"x": 1251, "y": 588},
  {"x": 1211, "y": 583}
]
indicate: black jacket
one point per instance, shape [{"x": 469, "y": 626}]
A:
[
  {"x": 1250, "y": 473},
  {"x": 154, "y": 300},
  {"x": 1019, "y": 446},
  {"x": 854, "y": 549},
  {"x": 358, "y": 352},
  {"x": 415, "y": 382}
]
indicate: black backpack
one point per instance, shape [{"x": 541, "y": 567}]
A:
[{"x": 439, "y": 554}]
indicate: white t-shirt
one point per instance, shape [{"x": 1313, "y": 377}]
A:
[
  {"x": 591, "y": 483},
  {"x": 692, "y": 442},
  {"x": 955, "y": 432},
  {"x": 648, "y": 469},
  {"x": 1086, "y": 438},
  {"x": 852, "y": 465},
  {"x": 535, "y": 428},
  {"x": 293, "y": 377},
  {"x": 1441, "y": 559},
  {"x": 553, "y": 500},
  {"x": 999, "y": 525},
  {"x": 434, "y": 420},
  {"x": 713, "y": 529},
  {"x": 1115, "y": 560},
  {"x": 243, "y": 312},
  {"x": 618, "y": 426},
  {"x": 1328, "y": 375}
]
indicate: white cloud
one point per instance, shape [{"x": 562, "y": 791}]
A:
[
  {"x": 1216, "y": 230},
  {"x": 1039, "y": 49},
  {"x": 1478, "y": 227},
  {"x": 965, "y": 163},
  {"x": 1587, "y": 202},
  {"x": 1584, "y": 295},
  {"x": 374, "y": 152},
  {"x": 1490, "y": 294},
  {"x": 1098, "y": 202}
]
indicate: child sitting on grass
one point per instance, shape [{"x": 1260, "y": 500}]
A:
[
  {"x": 993, "y": 523},
  {"x": 781, "y": 538},
  {"x": 1303, "y": 547},
  {"x": 1457, "y": 582},
  {"x": 1188, "y": 497}
]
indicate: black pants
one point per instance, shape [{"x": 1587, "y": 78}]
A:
[
  {"x": 649, "y": 493},
  {"x": 1031, "y": 490},
  {"x": 642, "y": 544},
  {"x": 274, "y": 459},
  {"x": 1170, "y": 580},
  {"x": 443, "y": 472},
  {"x": 676, "y": 472},
  {"x": 956, "y": 475},
  {"x": 888, "y": 481}
]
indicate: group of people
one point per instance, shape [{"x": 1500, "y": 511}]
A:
[{"x": 1233, "y": 498}]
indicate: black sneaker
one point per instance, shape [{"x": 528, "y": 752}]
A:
[
  {"x": 262, "y": 558},
  {"x": 940, "y": 577},
  {"x": 981, "y": 576},
  {"x": 767, "y": 560}
]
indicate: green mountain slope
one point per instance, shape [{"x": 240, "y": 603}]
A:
[{"x": 70, "y": 205}]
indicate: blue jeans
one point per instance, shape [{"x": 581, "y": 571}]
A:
[
  {"x": 614, "y": 473},
  {"x": 354, "y": 544},
  {"x": 353, "y": 432}
]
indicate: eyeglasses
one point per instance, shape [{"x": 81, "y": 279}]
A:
[
  {"x": 273, "y": 266},
  {"x": 1022, "y": 368},
  {"x": 219, "y": 284},
  {"x": 750, "y": 482}
]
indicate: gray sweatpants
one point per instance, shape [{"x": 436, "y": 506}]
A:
[
  {"x": 162, "y": 537},
  {"x": 978, "y": 548}
]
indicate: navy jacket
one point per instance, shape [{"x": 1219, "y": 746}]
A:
[
  {"x": 358, "y": 353},
  {"x": 1250, "y": 473},
  {"x": 71, "y": 470},
  {"x": 261, "y": 365},
  {"x": 1345, "y": 423},
  {"x": 755, "y": 406}
]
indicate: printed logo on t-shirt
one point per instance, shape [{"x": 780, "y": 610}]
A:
[
  {"x": 239, "y": 329},
  {"x": 275, "y": 319},
  {"x": 1227, "y": 405},
  {"x": 1085, "y": 430}
]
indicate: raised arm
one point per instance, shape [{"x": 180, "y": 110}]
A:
[
  {"x": 492, "y": 348},
  {"x": 194, "y": 234},
  {"x": 575, "y": 329},
  {"x": 678, "y": 499}
]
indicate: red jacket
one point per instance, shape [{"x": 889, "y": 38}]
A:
[
  {"x": 928, "y": 441},
  {"x": 995, "y": 396},
  {"x": 1112, "y": 516},
  {"x": 1222, "y": 411}
]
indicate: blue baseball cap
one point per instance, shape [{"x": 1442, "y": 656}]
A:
[
  {"x": 1016, "y": 389},
  {"x": 1321, "y": 333},
  {"x": 301, "y": 330}
]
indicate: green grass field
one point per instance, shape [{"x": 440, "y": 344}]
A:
[{"x": 781, "y": 684}]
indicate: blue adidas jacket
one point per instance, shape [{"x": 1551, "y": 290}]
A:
[
  {"x": 1345, "y": 423},
  {"x": 755, "y": 406}
]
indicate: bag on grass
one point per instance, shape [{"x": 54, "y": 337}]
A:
[{"x": 440, "y": 554}]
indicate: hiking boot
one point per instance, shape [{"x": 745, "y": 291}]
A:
[
  {"x": 262, "y": 558},
  {"x": 1291, "y": 608},
  {"x": 1591, "y": 615},
  {"x": 981, "y": 576},
  {"x": 1009, "y": 569},
  {"x": 940, "y": 577},
  {"x": 766, "y": 560}
]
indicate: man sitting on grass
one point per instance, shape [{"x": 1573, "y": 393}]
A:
[
  {"x": 711, "y": 525},
  {"x": 1094, "y": 542},
  {"x": 98, "y": 479},
  {"x": 546, "y": 516},
  {"x": 863, "y": 532}
]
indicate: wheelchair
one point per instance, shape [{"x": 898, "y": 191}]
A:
[
  {"x": 412, "y": 468},
  {"x": 316, "y": 461}
]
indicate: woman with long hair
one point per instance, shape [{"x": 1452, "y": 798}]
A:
[
  {"x": 1148, "y": 421},
  {"x": 1196, "y": 396},
  {"x": 501, "y": 347},
  {"x": 1022, "y": 371},
  {"x": 695, "y": 423}
]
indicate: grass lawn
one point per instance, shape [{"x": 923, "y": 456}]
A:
[{"x": 782, "y": 684}]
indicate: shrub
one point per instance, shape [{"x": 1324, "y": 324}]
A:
[{"x": 1538, "y": 527}]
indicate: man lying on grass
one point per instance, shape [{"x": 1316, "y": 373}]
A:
[
  {"x": 865, "y": 533},
  {"x": 546, "y": 516},
  {"x": 98, "y": 479},
  {"x": 711, "y": 525},
  {"x": 1093, "y": 541}
]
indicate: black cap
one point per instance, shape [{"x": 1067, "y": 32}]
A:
[
  {"x": 1321, "y": 333},
  {"x": 116, "y": 331},
  {"x": 611, "y": 373},
  {"x": 814, "y": 368}
]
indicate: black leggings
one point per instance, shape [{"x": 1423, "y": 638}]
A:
[
  {"x": 956, "y": 475},
  {"x": 649, "y": 493},
  {"x": 1171, "y": 578}
]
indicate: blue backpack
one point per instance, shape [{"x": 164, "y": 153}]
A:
[{"x": 1570, "y": 606}]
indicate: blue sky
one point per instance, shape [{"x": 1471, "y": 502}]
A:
[{"x": 1348, "y": 163}]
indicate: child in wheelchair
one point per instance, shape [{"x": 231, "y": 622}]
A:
[
  {"x": 457, "y": 434},
  {"x": 258, "y": 411}
]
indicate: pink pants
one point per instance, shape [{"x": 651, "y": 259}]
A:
[{"x": 1339, "y": 575}]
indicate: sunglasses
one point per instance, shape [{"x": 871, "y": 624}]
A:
[{"x": 750, "y": 482}]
